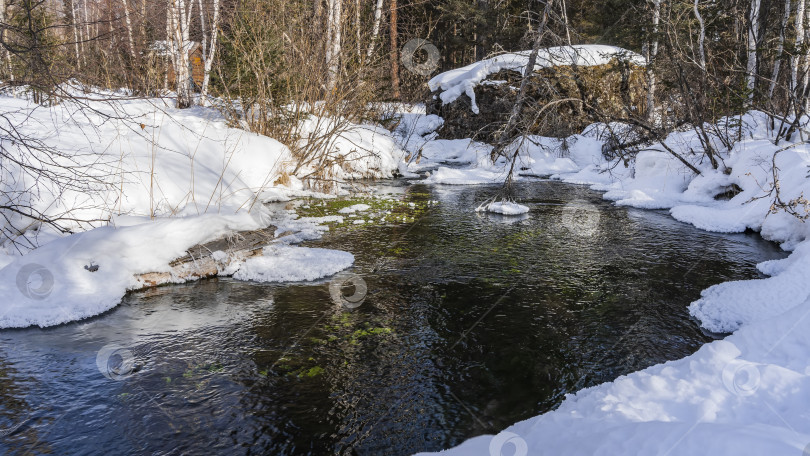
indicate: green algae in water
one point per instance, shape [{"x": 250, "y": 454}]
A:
[{"x": 381, "y": 211}]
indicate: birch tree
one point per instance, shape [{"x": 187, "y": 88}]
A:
[
  {"x": 564, "y": 11},
  {"x": 128, "y": 24},
  {"x": 178, "y": 26},
  {"x": 70, "y": 16},
  {"x": 702, "y": 37},
  {"x": 375, "y": 32},
  {"x": 6, "y": 53},
  {"x": 801, "y": 89},
  {"x": 795, "y": 59},
  {"x": 753, "y": 39},
  {"x": 333, "y": 43},
  {"x": 780, "y": 49},
  {"x": 208, "y": 52}
]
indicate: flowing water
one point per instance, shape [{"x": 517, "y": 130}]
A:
[{"x": 469, "y": 323}]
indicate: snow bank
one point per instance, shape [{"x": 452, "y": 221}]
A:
[
  {"x": 465, "y": 162},
  {"x": 50, "y": 285},
  {"x": 452, "y": 84},
  {"x": 157, "y": 160},
  {"x": 353, "y": 151},
  {"x": 88, "y": 273},
  {"x": 139, "y": 160},
  {"x": 746, "y": 394},
  {"x": 152, "y": 160}
]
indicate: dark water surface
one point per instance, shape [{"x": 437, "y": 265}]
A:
[{"x": 470, "y": 323}]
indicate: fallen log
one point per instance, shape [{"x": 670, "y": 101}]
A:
[{"x": 209, "y": 259}]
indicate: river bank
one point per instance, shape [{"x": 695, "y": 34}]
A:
[{"x": 743, "y": 392}]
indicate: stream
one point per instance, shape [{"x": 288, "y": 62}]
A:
[{"x": 468, "y": 323}]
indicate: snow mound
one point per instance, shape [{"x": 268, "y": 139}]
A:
[
  {"x": 352, "y": 151},
  {"x": 50, "y": 285},
  {"x": 463, "y": 80},
  {"x": 728, "y": 306},
  {"x": 293, "y": 264},
  {"x": 505, "y": 208},
  {"x": 160, "y": 161}
]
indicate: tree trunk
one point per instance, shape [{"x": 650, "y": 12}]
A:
[
  {"x": 702, "y": 37},
  {"x": 128, "y": 24},
  {"x": 7, "y": 55},
  {"x": 802, "y": 86},
  {"x": 85, "y": 31},
  {"x": 780, "y": 50},
  {"x": 394, "y": 53},
  {"x": 753, "y": 39},
  {"x": 795, "y": 59},
  {"x": 169, "y": 47},
  {"x": 481, "y": 32},
  {"x": 564, "y": 10},
  {"x": 179, "y": 50},
  {"x": 375, "y": 32},
  {"x": 70, "y": 17},
  {"x": 333, "y": 43},
  {"x": 652, "y": 53},
  {"x": 517, "y": 108},
  {"x": 209, "y": 58}
]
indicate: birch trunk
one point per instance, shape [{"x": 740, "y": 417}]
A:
[
  {"x": 753, "y": 39},
  {"x": 169, "y": 46},
  {"x": 565, "y": 22},
  {"x": 72, "y": 26},
  {"x": 795, "y": 59},
  {"x": 209, "y": 58},
  {"x": 84, "y": 31},
  {"x": 179, "y": 49},
  {"x": 375, "y": 32},
  {"x": 802, "y": 87},
  {"x": 780, "y": 49},
  {"x": 7, "y": 55},
  {"x": 702, "y": 37},
  {"x": 333, "y": 43},
  {"x": 128, "y": 24}
]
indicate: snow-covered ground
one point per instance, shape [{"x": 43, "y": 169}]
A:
[
  {"x": 158, "y": 181},
  {"x": 746, "y": 394}
]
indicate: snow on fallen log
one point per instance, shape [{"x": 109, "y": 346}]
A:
[
  {"x": 207, "y": 260},
  {"x": 452, "y": 84},
  {"x": 577, "y": 82}
]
